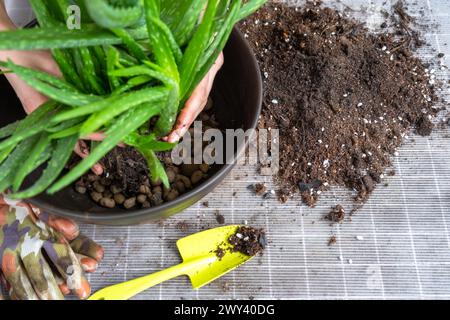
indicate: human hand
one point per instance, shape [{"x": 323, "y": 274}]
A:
[
  {"x": 195, "y": 104},
  {"x": 37, "y": 261}
]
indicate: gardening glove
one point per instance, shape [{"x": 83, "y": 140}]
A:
[{"x": 37, "y": 261}]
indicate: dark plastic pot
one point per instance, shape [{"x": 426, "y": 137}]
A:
[{"x": 237, "y": 96}]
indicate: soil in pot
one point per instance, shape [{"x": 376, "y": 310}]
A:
[
  {"x": 342, "y": 97},
  {"x": 126, "y": 181}
]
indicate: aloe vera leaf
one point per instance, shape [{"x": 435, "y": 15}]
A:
[
  {"x": 167, "y": 119},
  {"x": 85, "y": 18},
  {"x": 148, "y": 142},
  {"x": 99, "y": 56},
  {"x": 127, "y": 123},
  {"x": 42, "y": 14},
  {"x": 63, "y": 125},
  {"x": 60, "y": 95},
  {"x": 157, "y": 170},
  {"x": 159, "y": 45},
  {"x": 78, "y": 63},
  {"x": 6, "y": 182},
  {"x": 224, "y": 30},
  {"x": 141, "y": 70},
  {"x": 105, "y": 14},
  {"x": 182, "y": 17},
  {"x": 33, "y": 158},
  {"x": 150, "y": 94},
  {"x": 65, "y": 64},
  {"x": 16, "y": 158},
  {"x": 90, "y": 72},
  {"x": 57, "y": 8},
  {"x": 218, "y": 48},
  {"x": 40, "y": 75},
  {"x": 55, "y": 166},
  {"x": 59, "y": 37},
  {"x": 94, "y": 144},
  {"x": 211, "y": 54},
  {"x": 139, "y": 80},
  {"x": 197, "y": 44},
  {"x": 31, "y": 125},
  {"x": 112, "y": 58},
  {"x": 37, "y": 115},
  {"x": 8, "y": 130},
  {"x": 62, "y": 59},
  {"x": 74, "y": 130},
  {"x": 120, "y": 105},
  {"x": 135, "y": 48},
  {"x": 223, "y": 7},
  {"x": 5, "y": 152},
  {"x": 177, "y": 53},
  {"x": 222, "y": 11},
  {"x": 126, "y": 59},
  {"x": 132, "y": 83},
  {"x": 250, "y": 7},
  {"x": 24, "y": 134},
  {"x": 50, "y": 86},
  {"x": 165, "y": 59}
]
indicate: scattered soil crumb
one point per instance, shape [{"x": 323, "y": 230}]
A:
[
  {"x": 309, "y": 198},
  {"x": 337, "y": 214},
  {"x": 424, "y": 126},
  {"x": 205, "y": 204},
  {"x": 182, "y": 225},
  {"x": 248, "y": 240},
  {"x": 282, "y": 197},
  {"x": 259, "y": 189},
  {"x": 332, "y": 241},
  {"x": 391, "y": 173},
  {"x": 219, "y": 218},
  {"x": 225, "y": 287},
  {"x": 119, "y": 241},
  {"x": 220, "y": 253}
]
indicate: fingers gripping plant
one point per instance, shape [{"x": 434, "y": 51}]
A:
[{"x": 131, "y": 61}]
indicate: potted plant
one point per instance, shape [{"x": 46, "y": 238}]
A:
[{"x": 129, "y": 63}]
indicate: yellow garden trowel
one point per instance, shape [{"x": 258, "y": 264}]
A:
[{"x": 200, "y": 253}]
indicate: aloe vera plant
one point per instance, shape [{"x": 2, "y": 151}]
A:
[{"x": 131, "y": 61}]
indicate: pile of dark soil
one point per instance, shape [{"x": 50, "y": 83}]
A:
[
  {"x": 126, "y": 180},
  {"x": 342, "y": 97}
]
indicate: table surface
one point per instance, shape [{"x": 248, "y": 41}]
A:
[{"x": 403, "y": 251}]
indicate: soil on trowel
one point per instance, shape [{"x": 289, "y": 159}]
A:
[
  {"x": 342, "y": 96},
  {"x": 248, "y": 240}
]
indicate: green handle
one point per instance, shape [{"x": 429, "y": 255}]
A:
[{"x": 127, "y": 290}]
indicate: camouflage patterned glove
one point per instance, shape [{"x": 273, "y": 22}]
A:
[{"x": 37, "y": 260}]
